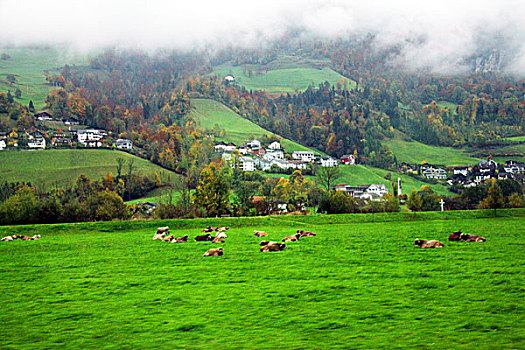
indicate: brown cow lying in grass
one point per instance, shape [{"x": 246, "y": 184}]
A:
[
  {"x": 210, "y": 229},
  {"x": 463, "y": 237},
  {"x": 471, "y": 238},
  {"x": 164, "y": 229},
  {"x": 305, "y": 233},
  {"x": 182, "y": 239},
  {"x": 202, "y": 238},
  {"x": 424, "y": 243},
  {"x": 272, "y": 246},
  {"x": 259, "y": 233},
  {"x": 292, "y": 238},
  {"x": 217, "y": 239},
  {"x": 222, "y": 229},
  {"x": 23, "y": 238},
  {"x": 214, "y": 252}
]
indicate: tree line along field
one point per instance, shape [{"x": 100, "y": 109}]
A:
[
  {"x": 359, "y": 284},
  {"x": 63, "y": 166}
]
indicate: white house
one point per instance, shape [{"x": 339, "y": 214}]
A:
[
  {"x": 263, "y": 164},
  {"x": 348, "y": 159},
  {"x": 254, "y": 144},
  {"x": 2, "y": 145},
  {"x": 463, "y": 170},
  {"x": 274, "y": 145},
  {"x": 229, "y": 79},
  {"x": 225, "y": 147},
  {"x": 243, "y": 150},
  {"x": 36, "y": 140},
  {"x": 246, "y": 164},
  {"x": 298, "y": 164},
  {"x": 435, "y": 173},
  {"x": 124, "y": 144},
  {"x": 91, "y": 137},
  {"x": 328, "y": 162},
  {"x": 273, "y": 154},
  {"x": 369, "y": 192},
  {"x": 514, "y": 167},
  {"x": 305, "y": 156}
]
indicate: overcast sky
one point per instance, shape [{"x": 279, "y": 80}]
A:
[{"x": 452, "y": 30}]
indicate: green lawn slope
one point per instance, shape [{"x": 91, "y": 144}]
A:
[
  {"x": 49, "y": 167},
  {"x": 359, "y": 284},
  {"x": 416, "y": 152},
  {"x": 286, "y": 74},
  {"x": 209, "y": 113},
  {"x": 29, "y": 66}
]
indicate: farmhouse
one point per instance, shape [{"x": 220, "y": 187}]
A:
[
  {"x": 514, "y": 167},
  {"x": 463, "y": 170},
  {"x": 124, "y": 144},
  {"x": 274, "y": 145},
  {"x": 370, "y": 192},
  {"x": 36, "y": 140},
  {"x": 348, "y": 159},
  {"x": 2, "y": 145},
  {"x": 225, "y": 147},
  {"x": 273, "y": 154},
  {"x": 91, "y": 137},
  {"x": 71, "y": 121},
  {"x": 254, "y": 144},
  {"x": 246, "y": 164},
  {"x": 43, "y": 116},
  {"x": 328, "y": 162},
  {"x": 305, "y": 156},
  {"x": 434, "y": 173}
]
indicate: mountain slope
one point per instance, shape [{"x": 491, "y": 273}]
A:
[{"x": 209, "y": 113}]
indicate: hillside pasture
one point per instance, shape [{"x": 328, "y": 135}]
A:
[
  {"x": 359, "y": 284},
  {"x": 209, "y": 113},
  {"x": 285, "y": 74},
  {"x": 63, "y": 166},
  {"x": 414, "y": 152},
  {"x": 29, "y": 65}
]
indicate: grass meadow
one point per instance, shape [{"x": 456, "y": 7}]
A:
[
  {"x": 238, "y": 130},
  {"x": 359, "y": 284},
  {"x": 285, "y": 74},
  {"x": 29, "y": 66},
  {"x": 416, "y": 152},
  {"x": 63, "y": 166}
]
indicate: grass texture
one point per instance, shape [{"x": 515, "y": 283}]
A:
[{"x": 359, "y": 284}]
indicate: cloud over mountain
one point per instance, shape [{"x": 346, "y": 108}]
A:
[{"x": 441, "y": 35}]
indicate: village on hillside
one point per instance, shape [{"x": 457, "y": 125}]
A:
[{"x": 67, "y": 133}]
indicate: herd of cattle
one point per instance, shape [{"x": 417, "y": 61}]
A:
[
  {"x": 23, "y": 238},
  {"x": 266, "y": 246},
  {"x": 454, "y": 236}
]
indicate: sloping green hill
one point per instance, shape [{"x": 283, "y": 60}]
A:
[
  {"x": 416, "y": 152},
  {"x": 28, "y": 65},
  {"x": 64, "y": 166},
  {"x": 284, "y": 74},
  {"x": 209, "y": 113}
]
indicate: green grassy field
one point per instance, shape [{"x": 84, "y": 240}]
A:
[
  {"x": 48, "y": 167},
  {"x": 517, "y": 138},
  {"x": 359, "y": 284},
  {"x": 238, "y": 130},
  {"x": 29, "y": 66},
  {"x": 284, "y": 74},
  {"x": 416, "y": 152}
]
